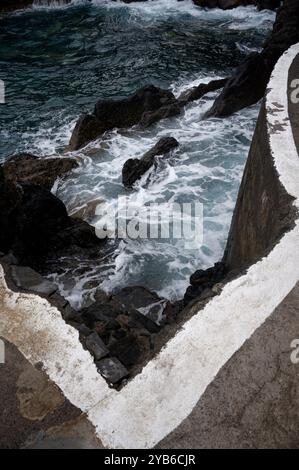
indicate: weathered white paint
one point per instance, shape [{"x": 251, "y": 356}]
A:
[
  {"x": 40, "y": 333},
  {"x": 157, "y": 400}
]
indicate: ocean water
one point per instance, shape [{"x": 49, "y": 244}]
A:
[{"x": 58, "y": 61}]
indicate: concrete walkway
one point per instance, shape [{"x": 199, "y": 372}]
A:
[{"x": 254, "y": 400}]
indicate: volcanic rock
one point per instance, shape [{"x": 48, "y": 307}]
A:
[{"x": 134, "y": 168}]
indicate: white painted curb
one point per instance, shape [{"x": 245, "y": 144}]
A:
[{"x": 156, "y": 401}]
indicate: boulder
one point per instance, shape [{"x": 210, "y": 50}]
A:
[
  {"x": 136, "y": 298},
  {"x": 98, "y": 312},
  {"x": 203, "y": 281},
  {"x": 35, "y": 225},
  {"x": 43, "y": 171},
  {"x": 140, "y": 108},
  {"x": 134, "y": 168}
]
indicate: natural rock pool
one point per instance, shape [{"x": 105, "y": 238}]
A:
[{"x": 57, "y": 62}]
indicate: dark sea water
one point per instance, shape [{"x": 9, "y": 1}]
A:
[{"x": 57, "y": 62}]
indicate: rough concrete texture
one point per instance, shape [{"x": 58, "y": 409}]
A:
[
  {"x": 30, "y": 403},
  {"x": 263, "y": 211},
  {"x": 254, "y": 400}
]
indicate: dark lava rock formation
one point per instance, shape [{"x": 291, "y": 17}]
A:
[
  {"x": 249, "y": 82},
  {"x": 34, "y": 222},
  {"x": 25, "y": 167},
  {"x": 203, "y": 280},
  {"x": 134, "y": 168},
  {"x": 147, "y": 105}
]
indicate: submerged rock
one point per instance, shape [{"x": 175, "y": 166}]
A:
[
  {"x": 134, "y": 168},
  {"x": 140, "y": 108}
]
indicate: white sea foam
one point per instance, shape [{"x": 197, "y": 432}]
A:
[
  {"x": 206, "y": 168},
  {"x": 151, "y": 10}
]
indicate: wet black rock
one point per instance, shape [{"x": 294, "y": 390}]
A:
[
  {"x": 10, "y": 198},
  {"x": 112, "y": 369},
  {"x": 35, "y": 225},
  {"x": 27, "y": 279},
  {"x": 98, "y": 312},
  {"x": 146, "y": 106},
  {"x": 135, "y": 168},
  {"x": 203, "y": 281},
  {"x": 96, "y": 346},
  {"x": 127, "y": 349},
  {"x": 197, "y": 92},
  {"x": 249, "y": 82},
  {"x": 246, "y": 87},
  {"x": 139, "y": 320}
]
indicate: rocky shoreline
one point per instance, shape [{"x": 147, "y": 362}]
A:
[
  {"x": 125, "y": 329},
  {"x": 122, "y": 330}
]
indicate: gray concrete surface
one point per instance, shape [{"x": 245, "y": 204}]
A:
[
  {"x": 254, "y": 400},
  {"x": 33, "y": 411}
]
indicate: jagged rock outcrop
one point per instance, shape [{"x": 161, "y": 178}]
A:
[
  {"x": 134, "y": 168},
  {"x": 197, "y": 92},
  {"x": 144, "y": 107},
  {"x": 25, "y": 167},
  {"x": 34, "y": 222},
  {"x": 249, "y": 82}
]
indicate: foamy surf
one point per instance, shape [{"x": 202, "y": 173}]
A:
[
  {"x": 107, "y": 49},
  {"x": 207, "y": 168}
]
